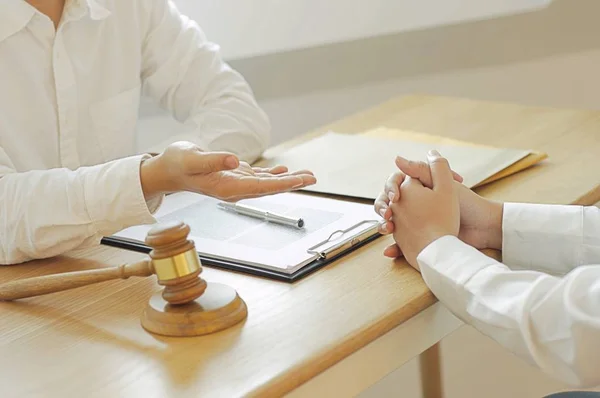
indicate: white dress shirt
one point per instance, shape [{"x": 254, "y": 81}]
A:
[
  {"x": 545, "y": 309},
  {"x": 69, "y": 98}
]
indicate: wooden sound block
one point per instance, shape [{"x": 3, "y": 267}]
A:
[{"x": 218, "y": 308}]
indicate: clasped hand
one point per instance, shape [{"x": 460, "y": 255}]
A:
[
  {"x": 183, "y": 166},
  {"x": 425, "y": 201}
]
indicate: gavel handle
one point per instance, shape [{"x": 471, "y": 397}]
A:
[{"x": 40, "y": 285}]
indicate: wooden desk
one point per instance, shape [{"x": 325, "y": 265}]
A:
[{"x": 88, "y": 342}]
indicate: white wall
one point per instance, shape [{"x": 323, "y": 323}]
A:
[
  {"x": 247, "y": 28},
  {"x": 564, "y": 81},
  {"x": 570, "y": 81},
  {"x": 549, "y": 57}
]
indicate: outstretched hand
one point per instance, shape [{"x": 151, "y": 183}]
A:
[{"x": 183, "y": 166}]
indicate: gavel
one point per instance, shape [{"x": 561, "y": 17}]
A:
[{"x": 187, "y": 306}]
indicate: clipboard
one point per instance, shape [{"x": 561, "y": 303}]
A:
[{"x": 327, "y": 251}]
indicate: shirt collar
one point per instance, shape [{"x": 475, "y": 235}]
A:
[
  {"x": 16, "y": 14},
  {"x": 97, "y": 9}
]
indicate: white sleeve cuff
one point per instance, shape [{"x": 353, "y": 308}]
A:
[
  {"x": 542, "y": 237},
  {"x": 114, "y": 197},
  {"x": 448, "y": 262},
  {"x": 448, "y": 265},
  {"x": 154, "y": 204}
]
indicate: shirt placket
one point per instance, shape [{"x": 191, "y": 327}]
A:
[{"x": 66, "y": 99}]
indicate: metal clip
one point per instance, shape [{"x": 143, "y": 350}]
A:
[{"x": 345, "y": 244}]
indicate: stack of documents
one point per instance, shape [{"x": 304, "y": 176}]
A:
[{"x": 357, "y": 165}]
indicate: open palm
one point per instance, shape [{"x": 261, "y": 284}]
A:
[
  {"x": 246, "y": 182},
  {"x": 183, "y": 166}
]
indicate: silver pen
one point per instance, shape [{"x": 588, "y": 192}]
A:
[{"x": 262, "y": 214}]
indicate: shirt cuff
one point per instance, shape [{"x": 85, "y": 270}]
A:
[
  {"x": 542, "y": 237},
  {"x": 453, "y": 258},
  {"x": 154, "y": 204},
  {"x": 114, "y": 196},
  {"x": 447, "y": 264}
]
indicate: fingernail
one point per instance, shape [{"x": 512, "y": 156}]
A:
[
  {"x": 384, "y": 227},
  {"x": 231, "y": 162},
  {"x": 382, "y": 212},
  {"x": 435, "y": 153},
  {"x": 300, "y": 184},
  {"x": 391, "y": 196},
  {"x": 310, "y": 181}
]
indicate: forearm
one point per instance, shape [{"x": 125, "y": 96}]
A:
[
  {"x": 551, "y": 322},
  {"x": 46, "y": 213}
]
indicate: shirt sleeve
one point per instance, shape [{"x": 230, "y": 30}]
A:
[
  {"x": 185, "y": 73},
  {"x": 48, "y": 212},
  {"x": 550, "y": 238},
  {"x": 552, "y": 322}
]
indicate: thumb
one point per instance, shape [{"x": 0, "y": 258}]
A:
[
  {"x": 209, "y": 162},
  {"x": 441, "y": 174},
  {"x": 415, "y": 169},
  {"x": 420, "y": 170}
]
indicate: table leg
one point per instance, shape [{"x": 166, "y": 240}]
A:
[{"x": 431, "y": 372}]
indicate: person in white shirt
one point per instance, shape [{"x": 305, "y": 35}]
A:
[
  {"x": 72, "y": 73},
  {"x": 542, "y": 302}
]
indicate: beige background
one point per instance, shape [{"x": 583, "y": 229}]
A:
[{"x": 550, "y": 57}]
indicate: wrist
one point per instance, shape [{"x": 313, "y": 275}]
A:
[
  {"x": 152, "y": 177},
  {"x": 495, "y": 227}
]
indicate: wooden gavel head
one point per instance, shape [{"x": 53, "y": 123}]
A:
[
  {"x": 188, "y": 306},
  {"x": 175, "y": 262}
]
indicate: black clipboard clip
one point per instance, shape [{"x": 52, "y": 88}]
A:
[{"x": 345, "y": 244}]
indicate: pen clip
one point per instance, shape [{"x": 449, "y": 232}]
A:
[{"x": 346, "y": 243}]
